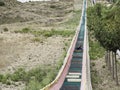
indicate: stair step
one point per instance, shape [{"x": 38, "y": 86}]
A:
[
  {"x": 74, "y": 80},
  {"x": 73, "y": 73},
  {"x": 73, "y": 76}
]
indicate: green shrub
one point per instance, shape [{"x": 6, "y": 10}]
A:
[
  {"x": 46, "y": 81},
  {"x": 34, "y": 79},
  {"x": 5, "y": 29},
  {"x": 8, "y": 82},
  {"x": 48, "y": 34},
  {"x": 4, "y": 80},
  {"x": 33, "y": 85},
  {"x": 2, "y": 3},
  {"x": 96, "y": 51},
  {"x": 95, "y": 77},
  {"x": 103, "y": 66},
  {"x": 15, "y": 77},
  {"x": 18, "y": 75},
  {"x": 1, "y": 77},
  {"x": 25, "y": 30},
  {"x": 52, "y": 6}
]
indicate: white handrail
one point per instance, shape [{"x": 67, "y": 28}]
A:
[{"x": 86, "y": 76}]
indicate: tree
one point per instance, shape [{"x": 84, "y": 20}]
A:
[{"x": 105, "y": 23}]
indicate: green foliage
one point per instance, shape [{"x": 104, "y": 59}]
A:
[
  {"x": 46, "y": 33},
  {"x": 8, "y": 82},
  {"x": 33, "y": 85},
  {"x": 18, "y": 75},
  {"x": 64, "y": 33},
  {"x": 2, "y": 3},
  {"x": 24, "y": 30},
  {"x": 1, "y": 77},
  {"x": 117, "y": 2},
  {"x": 96, "y": 51},
  {"x": 105, "y": 23},
  {"x": 5, "y": 29},
  {"x": 95, "y": 78},
  {"x": 34, "y": 79},
  {"x": 4, "y": 80}
]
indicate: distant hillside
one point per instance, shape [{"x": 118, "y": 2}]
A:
[
  {"x": 41, "y": 12},
  {"x": 9, "y": 2}
]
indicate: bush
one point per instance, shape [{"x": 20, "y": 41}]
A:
[
  {"x": 48, "y": 34},
  {"x": 2, "y": 3},
  {"x": 96, "y": 50},
  {"x": 46, "y": 81},
  {"x": 52, "y": 6},
  {"x": 18, "y": 75},
  {"x": 1, "y": 77},
  {"x": 103, "y": 66},
  {"x": 95, "y": 77},
  {"x": 4, "y": 79},
  {"x": 5, "y": 29},
  {"x": 8, "y": 82},
  {"x": 25, "y": 30},
  {"x": 34, "y": 79},
  {"x": 33, "y": 85}
]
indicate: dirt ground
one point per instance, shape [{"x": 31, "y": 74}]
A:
[
  {"x": 103, "y": 76},
  {"x": 18, "y": 50}
]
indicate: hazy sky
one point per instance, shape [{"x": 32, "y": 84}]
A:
[
  {"x": 23, "y": 0},
  {"x": 31, "y": 0}
]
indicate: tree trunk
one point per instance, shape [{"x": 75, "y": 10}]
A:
[
  {"x": 109, "y": 61},
  {"x": 116, "y": 70},
  {"x": 106, "y": 57},
  {"x": 113, "y": 62}
]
